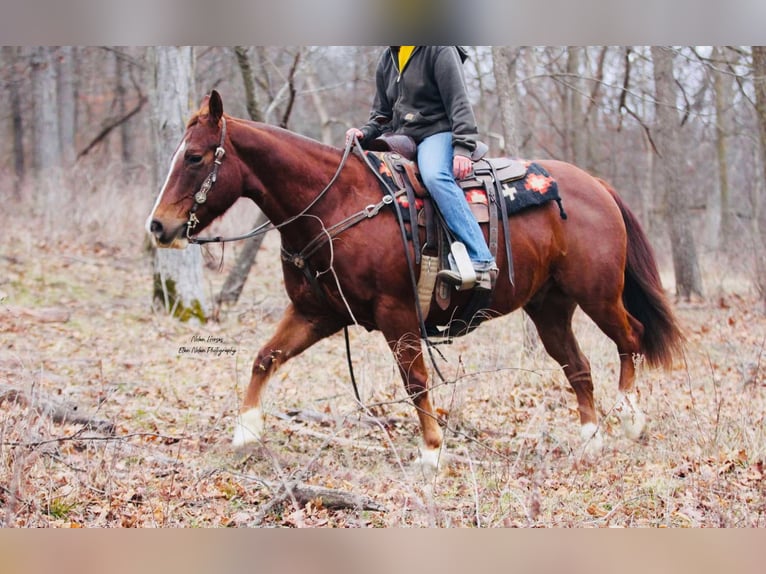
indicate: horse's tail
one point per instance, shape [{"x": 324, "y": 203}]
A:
[{"x": 643, "y": 295}]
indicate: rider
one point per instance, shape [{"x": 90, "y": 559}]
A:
[{"x": 421, "y": 93}]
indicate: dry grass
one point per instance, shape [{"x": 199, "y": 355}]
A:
[{"x": 513, "y": 432}]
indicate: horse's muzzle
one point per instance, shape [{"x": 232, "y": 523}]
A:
[{"x": 167, "y": 238}]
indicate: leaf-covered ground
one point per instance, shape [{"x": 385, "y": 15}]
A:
[{"x": 77, "y": 331}]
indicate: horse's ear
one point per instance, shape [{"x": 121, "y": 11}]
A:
[{"x": 215, "y": 105}]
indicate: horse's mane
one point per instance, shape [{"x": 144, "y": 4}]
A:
[{"x": 272, "y": 130}]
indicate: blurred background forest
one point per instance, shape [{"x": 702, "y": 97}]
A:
[
  {"x": 680, "y": 131},
  {"x": 103, "y": 422}
]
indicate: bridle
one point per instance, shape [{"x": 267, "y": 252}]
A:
[
  {"x": 299, "y": 259},
  {"x": 201, "y": 196}
]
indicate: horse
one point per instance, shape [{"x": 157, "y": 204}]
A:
[{"x": 599, "y": 259}]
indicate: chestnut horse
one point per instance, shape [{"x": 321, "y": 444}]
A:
[{"x": 599, "y": 258}]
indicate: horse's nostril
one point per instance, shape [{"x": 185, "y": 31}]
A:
[{"x": 155, "y": 227}]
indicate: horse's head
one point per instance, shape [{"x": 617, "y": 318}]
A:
[{"x": 200, "y": 185}]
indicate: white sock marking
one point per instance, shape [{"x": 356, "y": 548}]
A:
[
  {"x": 248, "y": 427},
  {"x": 429, "y": 459},
  {"x": 633, "y": 420},
  {"x": 592, "y": 439}
]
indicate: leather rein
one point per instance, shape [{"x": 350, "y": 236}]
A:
[
  {"x": 201, "y": 197},
  {"x": 299, "y": 260}
]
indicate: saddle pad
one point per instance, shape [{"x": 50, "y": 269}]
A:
[{"x": 535, "y": 188}]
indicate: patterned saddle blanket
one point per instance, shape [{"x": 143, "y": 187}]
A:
[{"x": 524, "y": 184}]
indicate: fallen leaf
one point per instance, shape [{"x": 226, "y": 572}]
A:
[{"x": 597, "y": 511}]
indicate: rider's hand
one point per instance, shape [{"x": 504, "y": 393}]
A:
[
  {"x": 352, "y": 133},
  {"x": 461, "y": 166}
]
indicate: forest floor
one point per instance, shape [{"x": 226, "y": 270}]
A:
[{"x": 78, "y": 336}]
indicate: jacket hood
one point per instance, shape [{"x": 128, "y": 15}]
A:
[{"x": 460, "y": 50}]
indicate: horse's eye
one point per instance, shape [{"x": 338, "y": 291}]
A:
[{"x": 194, "y": 159}]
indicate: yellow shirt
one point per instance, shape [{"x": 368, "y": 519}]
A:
[{"x": 404, "y": 54}]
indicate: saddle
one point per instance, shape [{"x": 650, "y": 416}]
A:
[
  {"x": 490, "y": 175},
  {"x": 397, "y": 147}
]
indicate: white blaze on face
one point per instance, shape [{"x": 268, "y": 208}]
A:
[{"x": 178, "y": 156}]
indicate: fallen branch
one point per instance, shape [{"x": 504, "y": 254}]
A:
[
  {"x": 59, "y": 413},
  {"x": 331, "y": 498},
  {"x": 301, "y": 494}
]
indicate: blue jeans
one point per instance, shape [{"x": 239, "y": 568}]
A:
[{"x": 435, "y": 156}]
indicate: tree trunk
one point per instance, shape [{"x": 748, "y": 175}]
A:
[
  {"x": 128, "y": 136},
  {"x": 574, "y": 120},
  {"x": 67, "y": 98},
  {"x": 46, "y": 146},
  {"x": 759, "y": 73},
  {"x": 504, "y": 69},
  {"x": 325, "y": 121},
  {"x": 504, "y": 61},
  {"x": 10, "y": 62},
  {"x": 248, "y": 79},
  {"x": 667, "y": 176},
  {"x": 178, "y": 284},
  {"x": 723, "y": 98},
  {"x": 235, "y": 280}
]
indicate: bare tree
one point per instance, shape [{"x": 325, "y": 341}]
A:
[
  {"x": 125, "y": 81},
  {"x": 759, "y": 80},
  {"x": 504, "y": 60},
  {"x": 11, "y": 58},
  {"x": 66, "y": 76},
  {"x": 178, "y": 284},
  {"x": 248, "y": 80},
  {"x": 574, "y": 114},
  {"x": 722, "y": 86},
  {"x": 235, "y": 280},
  {"x": 504, "y": 69},
  {"x": 667, "y": 179},
  {"x": 45, "y": 126}
]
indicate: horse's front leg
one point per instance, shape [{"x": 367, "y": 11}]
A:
[
  {"x": 408, "y": 352},
  {"x": 295, "y": 333}
]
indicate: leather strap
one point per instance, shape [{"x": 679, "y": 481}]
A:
[
  {"x": 492, "y": 205},
  {"x": 506, "y": 223}
]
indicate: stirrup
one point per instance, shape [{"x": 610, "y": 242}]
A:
[
  {"x": 482, "y": 281},
  {"x": 461, "y": 273}
]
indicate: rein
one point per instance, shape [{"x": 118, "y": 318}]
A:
[
  {"x": 201, "y": 196},
  {"x": 299, "y": 259}
]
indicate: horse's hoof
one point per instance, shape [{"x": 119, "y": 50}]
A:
[
  {"x": 632, "y": 418},
  {"x": 430, "y": 460},
  {"x": 593, "y": 441},
  {"x": 248, "y": 428}
]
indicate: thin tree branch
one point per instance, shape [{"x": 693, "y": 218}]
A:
[
  {"x": 292, "y": 90},
  {"x": 113, "y": 125},
  {"x": 57, "y": 412}
]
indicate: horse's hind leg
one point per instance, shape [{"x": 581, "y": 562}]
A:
[
  {"x": 552, "y": 315},
  {"x": 617, "y": 324},
  {"x": 295, "y": 333}
]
